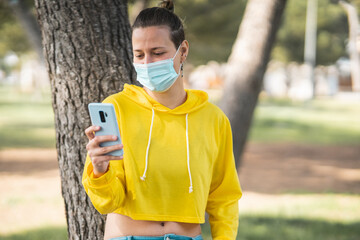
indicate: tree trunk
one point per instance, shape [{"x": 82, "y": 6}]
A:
[
  {"x": 87, "y": 47},
  {"x": 247, "y": 65},
  {"x": 353, "y": 48}
]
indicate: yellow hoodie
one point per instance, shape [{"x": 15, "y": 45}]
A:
[{"x": 178, "y": 163}]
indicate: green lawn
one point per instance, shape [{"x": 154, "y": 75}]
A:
[
  {"x": 250, "y": 228},
  {"x": 325, "y": 122},
  {"x": 25, "y": 121}
]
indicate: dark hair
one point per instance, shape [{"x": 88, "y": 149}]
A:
[{"x": 162, "y": 16}]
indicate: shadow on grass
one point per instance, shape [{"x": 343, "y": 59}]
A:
[
  {"x": 268, "y": 228},
  {"x": 47, "y": 233},
  {"x": 27, "y": 136},
  {"x": 250, "y": 228}
]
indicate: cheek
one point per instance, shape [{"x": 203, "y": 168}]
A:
[{"x": 177, "y": 64}]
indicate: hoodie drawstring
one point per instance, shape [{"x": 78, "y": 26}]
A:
[
  {"x": 188, "y": 155},
  {"x": 187, "y": 151},
  {"x": 148, "y": 146}
]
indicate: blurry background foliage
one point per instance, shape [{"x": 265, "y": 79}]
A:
[
  {"x": 212, "y": 26},
  {"x": 12, "y": 36}
]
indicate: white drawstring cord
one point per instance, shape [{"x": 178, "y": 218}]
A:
[
  {"x": 188, "y": 154},
  {"x": 187, "y": 151},
  {"x": 148, "y": 146}
]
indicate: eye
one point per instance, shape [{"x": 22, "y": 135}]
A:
[{"x": 158, "y": 53}]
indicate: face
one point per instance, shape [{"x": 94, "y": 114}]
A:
[{"x": 152, "y": 44}]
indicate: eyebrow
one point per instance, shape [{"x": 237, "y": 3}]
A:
[{"x": 155, "y": 48}]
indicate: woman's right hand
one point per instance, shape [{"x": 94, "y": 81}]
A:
[{"x": 96, "y": 153}]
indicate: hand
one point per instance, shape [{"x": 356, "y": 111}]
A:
[{"x": 96, "y": 153}]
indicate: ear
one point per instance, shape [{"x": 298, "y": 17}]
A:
[{"x": 184, "y": 50}]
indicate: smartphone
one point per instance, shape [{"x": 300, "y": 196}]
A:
[{"x": 103, "y": 115}]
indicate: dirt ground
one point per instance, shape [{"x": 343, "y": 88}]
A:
[
  {"x": 278, "y": 168},
  {"x": 30, "y": 191}
]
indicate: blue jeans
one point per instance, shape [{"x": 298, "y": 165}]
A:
[{"x": 165, "y": 237}]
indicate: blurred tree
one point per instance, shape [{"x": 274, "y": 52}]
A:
[
  {"x": 136, "y": 7},
  {"x": 12, "y": 36},
  {"x": 211, "y": 27},
  {"x": 353, "y": 45},
  {"x": 88, "y": 53},
  {"x": 331, "y": 33},
  {"x": 27, "y": 20},
  {"x": 247, "y": 64}
]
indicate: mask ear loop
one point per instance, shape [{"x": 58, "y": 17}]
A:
[
  {"x": 176, "y": 52},
  {"x": 181, "y": 64}
]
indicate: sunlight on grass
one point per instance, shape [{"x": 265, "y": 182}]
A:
[
  {"x": 344, "y": 208},
  {"x": 319, "y": 122}
]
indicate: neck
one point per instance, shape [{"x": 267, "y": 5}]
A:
[{"x": 172, "y": 98}]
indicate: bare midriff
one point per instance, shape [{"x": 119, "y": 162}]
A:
[{"x": 118, "y": 225}]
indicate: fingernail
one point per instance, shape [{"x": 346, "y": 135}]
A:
[{"x": 114, "y": 137}]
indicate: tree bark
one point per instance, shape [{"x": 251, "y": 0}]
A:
[
  {"x": 87, "y": 47},
  {"x": 247, "y": 64}
]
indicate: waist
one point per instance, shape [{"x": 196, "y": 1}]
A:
[
  {"x": 164, "y": 237},
  {"x": 118, "y": 225}
]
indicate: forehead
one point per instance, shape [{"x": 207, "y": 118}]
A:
[{"x": 151, "y": 37}]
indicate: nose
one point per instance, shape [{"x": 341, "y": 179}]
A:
[{"x": 147, "y": 59}]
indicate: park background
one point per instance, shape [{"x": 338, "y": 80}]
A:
[{"x": 301, "y": 168}]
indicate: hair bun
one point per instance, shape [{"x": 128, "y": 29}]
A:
[{"x": 168, "y": 4}]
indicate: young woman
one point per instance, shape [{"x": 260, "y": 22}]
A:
[{"x": 178, "y": 159}]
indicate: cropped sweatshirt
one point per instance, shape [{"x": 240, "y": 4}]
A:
[{"x": 178, "y": 163}]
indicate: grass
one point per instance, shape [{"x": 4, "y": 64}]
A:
[
  {"x": 25, "y": 121},
  {"x": 325, "y": 122},
  {"x": 268, "y": 228},
  {"x": 45, "y": 233},
  {"x": 250, "y": 228}
]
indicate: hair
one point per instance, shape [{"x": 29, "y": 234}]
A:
[{"x": 162, "y": 16}]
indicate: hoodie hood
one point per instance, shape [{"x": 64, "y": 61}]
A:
[{"x": 195, "y": 100}]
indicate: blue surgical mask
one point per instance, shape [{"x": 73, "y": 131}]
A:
[{"x": 157, "y": 76}]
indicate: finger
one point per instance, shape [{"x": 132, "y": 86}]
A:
[
  {"x": 90, "y": 131},
  {"x": 104, "y": 138},
  {"x": 107, "y": 149}
]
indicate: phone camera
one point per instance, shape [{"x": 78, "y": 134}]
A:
[{"x": 102, "y": 116}]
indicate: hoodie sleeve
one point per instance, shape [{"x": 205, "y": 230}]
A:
[
  {"x": 225, "y": 190},
  {"x": 106, "y": 192}
]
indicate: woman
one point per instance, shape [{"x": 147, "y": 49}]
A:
[{"x": 178, "y": 158}]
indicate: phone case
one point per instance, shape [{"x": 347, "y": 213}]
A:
[{"x": 103, "y": 115}]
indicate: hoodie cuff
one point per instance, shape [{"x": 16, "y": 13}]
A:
[{"x": 102, "y": 181}]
